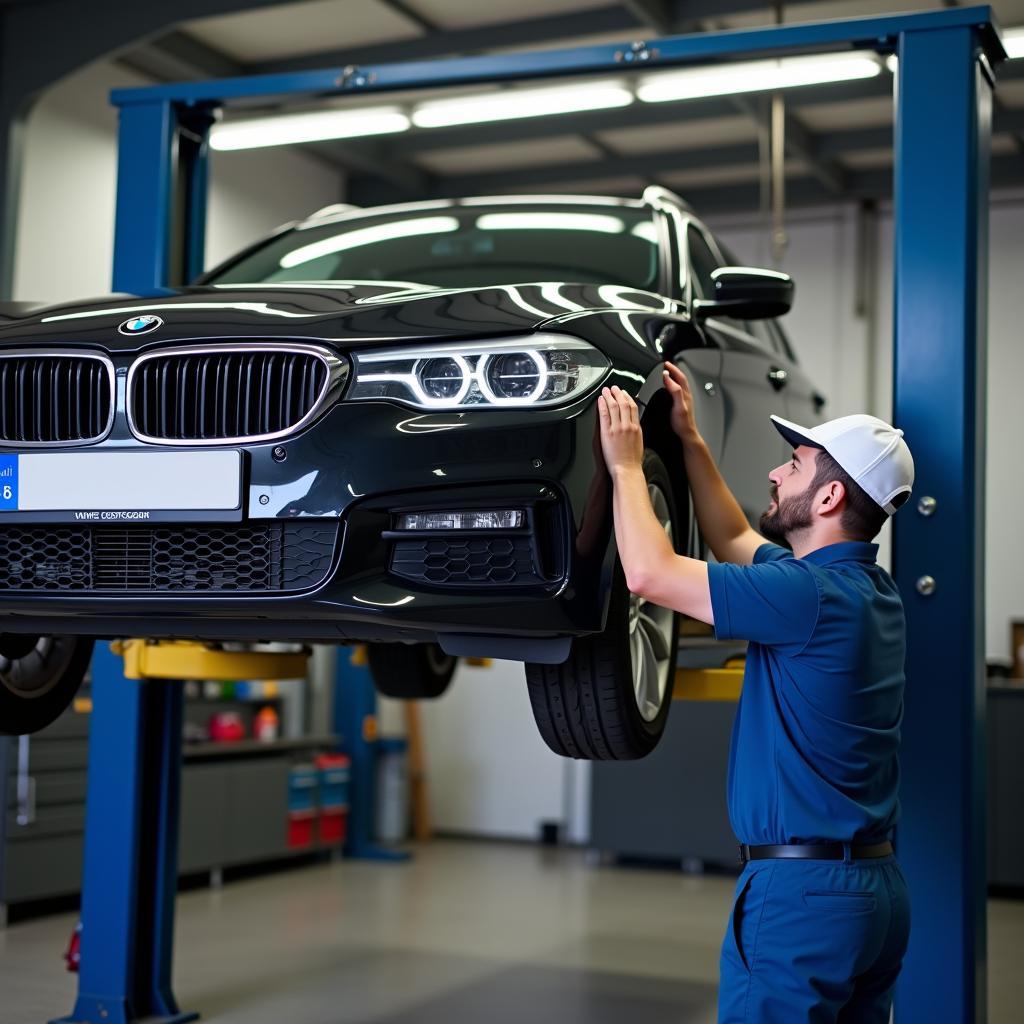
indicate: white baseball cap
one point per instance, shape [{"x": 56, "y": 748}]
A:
[{"x": 872, "y": 451}]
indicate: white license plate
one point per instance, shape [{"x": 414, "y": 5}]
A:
[{"x": 120, "y": 482}]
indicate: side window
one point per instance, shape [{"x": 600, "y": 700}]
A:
[
  {"x": 702, "y": 262},
  {"x": 761, "y": 330},
  {"x": 783, "y": 342}
]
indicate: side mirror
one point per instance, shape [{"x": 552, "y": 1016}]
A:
[{"x": 747, "y": 293}]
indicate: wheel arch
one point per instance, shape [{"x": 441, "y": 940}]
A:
[{"x": 659, "y": 436}]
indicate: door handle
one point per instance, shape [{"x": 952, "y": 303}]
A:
[{"x": 778, "y": 378}]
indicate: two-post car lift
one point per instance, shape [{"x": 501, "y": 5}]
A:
[{"x": 942, "y": 130}]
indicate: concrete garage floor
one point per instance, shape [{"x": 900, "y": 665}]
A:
[{"x": 467, "y": 932}]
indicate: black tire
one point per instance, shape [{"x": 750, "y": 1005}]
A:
[
  {"x": 39, "y": 677},
  {"x": 586, "y": 707},
  {"x": 410, "y": 671}
]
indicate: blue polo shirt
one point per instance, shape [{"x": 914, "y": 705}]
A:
[{"x": 814, "y": 752}]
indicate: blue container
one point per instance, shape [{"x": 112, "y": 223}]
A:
[
  {"x": 303, "y": 782},
  {"x": 334, "y": 782}
]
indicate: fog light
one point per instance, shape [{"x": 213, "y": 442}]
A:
[{"x": 506, "y": 519}]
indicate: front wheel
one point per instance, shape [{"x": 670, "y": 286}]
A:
[
  {"x": 410, "y": 671},
  {"x": 611, "y": 698},
  {"x": 39, "y": 677}
]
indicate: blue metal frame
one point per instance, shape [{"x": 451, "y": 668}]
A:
[
  {"x": 942, "y": 134},
  {"x": 131, "y": 850},
  {"x": 943, "y": 127}
]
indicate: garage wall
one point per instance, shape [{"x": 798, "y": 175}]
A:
[
  {"x": 490, "y": 771},
  {"x": 66, "y": 220}
]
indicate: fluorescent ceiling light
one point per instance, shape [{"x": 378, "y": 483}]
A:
[
  {"x": 514, "y": 103},
  {"x": 556, "y": 221},
  {"x": 312, "y": 127},
  {"x": 368, "y": 236},
  {"x": 756, "y": 76},
  {"x": 1013, "y": 42}
]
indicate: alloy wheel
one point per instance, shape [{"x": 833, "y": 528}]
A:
[{"x": 650, "y": 633}]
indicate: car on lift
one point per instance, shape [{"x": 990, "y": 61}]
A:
[{"x": 380, "y": 425}]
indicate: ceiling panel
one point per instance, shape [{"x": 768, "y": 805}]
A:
[
  {"x": 628, "y": 187},
  {"x": 852, "y": 114},
  {"x": 1009, "y": 13},
  {"x": 719, "y": 131},
  {"x": 471, "y": 13},
  {"x": 568, "y": 42},
  {"x": 296, "y": 29},
  {"x": 1011, "y": 93},
  {"x": 730, "y": 175},
  {"x": 866, "y": 159},
  {"x": 824, "y": 11},
  {"x": 484, "y": 159}
]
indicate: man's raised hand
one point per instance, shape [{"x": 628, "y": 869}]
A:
[{"x": 682, "y": 418}]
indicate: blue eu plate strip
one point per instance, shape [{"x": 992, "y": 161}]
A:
[{"x": 8, "y": 483}]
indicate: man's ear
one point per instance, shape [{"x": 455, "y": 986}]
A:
[{"x": 831, "y": 498}]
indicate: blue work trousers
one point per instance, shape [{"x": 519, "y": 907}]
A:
[{"x": 814, "y": 942}]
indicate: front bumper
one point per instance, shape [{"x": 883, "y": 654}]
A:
[{"x": 352, "y": 469}]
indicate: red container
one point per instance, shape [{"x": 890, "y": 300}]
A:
[
  {"x": 333, "y": 825},
  {"x": 300, "y": 828}
]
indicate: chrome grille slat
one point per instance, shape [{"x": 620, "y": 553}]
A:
[
  {"x": 227, "y": 393},
  {"x": 55, "y": 398}
]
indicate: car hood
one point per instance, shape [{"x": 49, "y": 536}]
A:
[{"x": 349, "y": 313}]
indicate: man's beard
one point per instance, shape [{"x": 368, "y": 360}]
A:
[{"x": 788, "y": 518}]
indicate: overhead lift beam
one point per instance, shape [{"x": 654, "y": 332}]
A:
[{"x": 942, "y": 130}]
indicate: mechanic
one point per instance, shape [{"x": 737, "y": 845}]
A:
[{"x": 821, "y": 915}]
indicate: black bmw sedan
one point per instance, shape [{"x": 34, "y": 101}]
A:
[{"x": 380, "y": 426}]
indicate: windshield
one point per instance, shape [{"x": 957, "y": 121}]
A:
[{"x": 464, "y": 247}]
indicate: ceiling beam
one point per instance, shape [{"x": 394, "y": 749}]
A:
[
  {"x": 178, "y": 57},
  {"x": 520, "y": 32},
  {"x": 410, "y": 14},
  {"x": 370, "y": 161},
  {"x": 660, "y": 15},
  {"x": 76, "y": 33},
  {"x": 651, "y": 166}
]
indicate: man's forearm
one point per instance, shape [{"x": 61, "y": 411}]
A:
[
  {"x": 642, "y": 542},
  {"x": 719, "y": 515}
]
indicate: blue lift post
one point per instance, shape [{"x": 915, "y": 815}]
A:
[
  {"x": 943, "y": 128},
  {"x": 355, "y": 721},
  {"x": 130, "y": 875},
  {"x": 942, "y": 135}
]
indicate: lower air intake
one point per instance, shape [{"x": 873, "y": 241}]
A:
[{"x": 235, "y": 559}]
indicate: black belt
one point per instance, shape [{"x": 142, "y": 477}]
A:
[{"x": 815, "y": 851}]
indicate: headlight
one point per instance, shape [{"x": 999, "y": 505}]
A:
[{"x": 541, "y": 369}]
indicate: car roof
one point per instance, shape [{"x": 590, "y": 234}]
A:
[{"x": 339, "y": 212}]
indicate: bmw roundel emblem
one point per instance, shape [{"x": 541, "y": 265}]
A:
[{"x": 140, "y": 325}]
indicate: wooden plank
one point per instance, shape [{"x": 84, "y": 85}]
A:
[{"x": 422, "y": 827}]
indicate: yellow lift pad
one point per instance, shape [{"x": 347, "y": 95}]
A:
[
  {"x": 708, "y": 683},
  {"x": 185, "y": 659}
]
